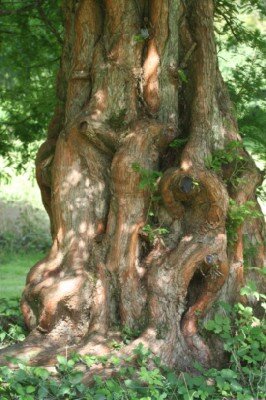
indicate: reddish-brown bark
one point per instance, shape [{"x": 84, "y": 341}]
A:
[{"x": 121, "y": 102}]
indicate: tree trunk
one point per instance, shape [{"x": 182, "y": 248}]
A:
[{"x": 134, "y": 76}]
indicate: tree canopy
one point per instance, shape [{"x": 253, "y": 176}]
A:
[{"x": 30, "y": 38}]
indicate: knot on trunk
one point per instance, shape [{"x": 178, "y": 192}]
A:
[{"x": 200, "y": 190}]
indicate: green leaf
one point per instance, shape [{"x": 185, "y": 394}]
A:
[
  {"x": 30, "y": 389},
  {"x": 19, "y": 389},
  {"x": 182, "y": 75},
  {"x": 41, "y": 373},
  {"x": 61, "y": 360},
  {"x": 42, "y": 392},
  {"x": 228, "y": 374},
  {"x": 76, "y": 377},
  {"x": 178, "y": 142}
]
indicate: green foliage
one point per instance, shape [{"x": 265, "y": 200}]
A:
[
  {"x": 228, "y": 17},
  {"x": 182, "y": 75},
  {"x": 24, "y": 222},
  {"x": 29, "y": 383},
  {"x": 250, "y": 251},
  {"x": 244, "y": 340},
  {"x": 261, "y": 192},
  {"x": 128, "y": 334},
  {"x": 142, "y": 36},
  {"x": 149, "y": 181},
  {"x": 148, "y": 177},
  {"x": 176, "y": 143},
  {"x": 116, "y": 345},
  {"x": 237, "y": 215},
  {"x": 252, "y": 128},
  {"x": 251, "y": 290},
  {"x": 240, "y": 34},
  {"x": 153, "y": 232},
  {"x": 12, "y": 328},
  {"x": 229, "y": 156},
  {"x": 142, "y": 376},
  {"x": 222, "y": 157},
  {"x": 29, "y": 234},
  {"x": 30, "y": 43},
  {"x": 247, "y": 90}
]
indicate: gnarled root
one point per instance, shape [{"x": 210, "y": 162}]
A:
[
  {"x": 62, "y": 292},
  {"x": 201, "y": 200}
]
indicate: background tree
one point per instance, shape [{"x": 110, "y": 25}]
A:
[
  {"x": 30, "y": 40},
  {"x": 145, "y": 180}
]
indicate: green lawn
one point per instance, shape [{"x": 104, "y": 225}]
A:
[{"x": 13, "y": 271}]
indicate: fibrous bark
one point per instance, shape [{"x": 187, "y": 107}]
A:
[{"x": 122, "y": 100}]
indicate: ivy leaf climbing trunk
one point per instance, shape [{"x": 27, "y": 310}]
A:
[{"x": 141, "y": 167}]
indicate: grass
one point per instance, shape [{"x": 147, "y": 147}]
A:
[
  {"x": 13, "y": 271},
  {"x": 24, "y": 223}
]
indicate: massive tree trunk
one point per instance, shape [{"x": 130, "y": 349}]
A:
[{"x": 136, "y": 75}]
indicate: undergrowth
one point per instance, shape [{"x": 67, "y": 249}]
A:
[
  {"x": 237, "y": 215},
  {"x": 142, "y": 376},
  {"x": 28, "y": 232},
  {"x": 12, "y": 327},
  {"x": 149, "y": 179}
]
